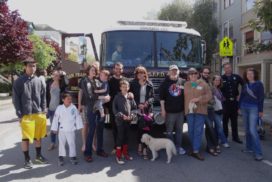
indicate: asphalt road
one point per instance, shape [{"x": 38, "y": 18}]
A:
[{"x": 232, "y": 165}]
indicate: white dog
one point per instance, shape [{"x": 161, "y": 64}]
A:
[{"x": 156, "y": 144}]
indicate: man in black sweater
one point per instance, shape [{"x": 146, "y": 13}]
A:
[{"x": 114, "y": 88}]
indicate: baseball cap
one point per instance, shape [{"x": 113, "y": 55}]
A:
[{"x": 173, "y": 67}]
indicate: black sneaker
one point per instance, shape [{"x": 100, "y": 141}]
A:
[
  {"x": 41, "y": 160},
  {"x": 74, "y": 160},
  {"x": 28, "y": 164},
  {"x": 237, "y": 140},
  {"x": 61, "y": 161}
]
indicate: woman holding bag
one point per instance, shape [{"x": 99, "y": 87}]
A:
[
  {"x": 218, "y": 110},
  {"x": 143, "y": 92},
  {"x": 251, "y": 105}
]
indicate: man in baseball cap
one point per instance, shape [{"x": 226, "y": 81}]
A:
[{"x": 173, "y": 67}]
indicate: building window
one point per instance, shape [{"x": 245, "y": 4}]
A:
[
  {"x": 249, "y": 4},
  {"x": 249, "y": 37},
  {"x": 266, "y": 37},
  {"x": 228, "y": 29},
  {"x": 249, "y": 40},
  {"x": 231, "y": 34},
  {"x": 227, "y": 3}
]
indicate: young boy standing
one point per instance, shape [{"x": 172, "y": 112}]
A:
[
  {"x": 103, "y": 90},
  {"x": 122, "y": 105},
  {"x": 67, "y": 120}
]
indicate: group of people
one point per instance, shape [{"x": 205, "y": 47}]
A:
[{"x": 200, "y": 99}]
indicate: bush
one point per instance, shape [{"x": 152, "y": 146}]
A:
[{"x": 5, "y": 88}]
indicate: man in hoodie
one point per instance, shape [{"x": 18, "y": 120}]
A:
[{"x": 29, "y": 99}]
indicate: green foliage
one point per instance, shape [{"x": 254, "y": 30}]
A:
[
  {"x": 43, "y": 53},
  {"x": 12, "y": 68},
  {"x": 263, "y": 10},
  {"x": 73, "y": 57},
  {"x": 90, "y": 58},
  {"x": 205, "y": 23},
  {"x": 178, "y": 10},
  {"x": 5, "y": 88}
]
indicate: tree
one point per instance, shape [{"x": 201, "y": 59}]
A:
[
  {"x": 14, "y": 42},
  {"x": 178, "y": 10},
  {"x": 204, "y": 22},
  {"x": 43, "y": 53},
  {"x": 58, "y": 51},
  {"x": 263, "y": 10},
  {"x": 73, "y": 57}
]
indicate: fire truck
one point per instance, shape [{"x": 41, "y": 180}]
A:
[{"x": 153, "y": 44}]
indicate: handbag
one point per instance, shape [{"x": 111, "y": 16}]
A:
[{"x": 145, "y": 121}]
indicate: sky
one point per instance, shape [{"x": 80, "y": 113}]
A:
[{"x": 85, "y": 16}]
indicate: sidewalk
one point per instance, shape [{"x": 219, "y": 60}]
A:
[{"x": 5, "y": 101}]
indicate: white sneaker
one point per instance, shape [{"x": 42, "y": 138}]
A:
[
  {"x": 226, "y": 145},
  {"x": 181, "y": 151}
]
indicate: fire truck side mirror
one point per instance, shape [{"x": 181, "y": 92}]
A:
[{"x": 203, "y": 51}]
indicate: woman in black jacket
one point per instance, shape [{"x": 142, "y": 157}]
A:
[{"x": 143, "y": 92}]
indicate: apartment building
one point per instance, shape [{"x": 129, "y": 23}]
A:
[{"x": 251, "y": 48}]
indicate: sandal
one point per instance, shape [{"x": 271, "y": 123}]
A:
[
  {"x": 212, "y": 152},
  {"x": 145, "y": 157},
  {"x": 140, "y": 150}
]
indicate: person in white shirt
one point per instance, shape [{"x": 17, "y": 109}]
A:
[{"x": 66, "y": 120}]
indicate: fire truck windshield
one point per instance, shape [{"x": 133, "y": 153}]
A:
[{"x": 151, "y": 49}]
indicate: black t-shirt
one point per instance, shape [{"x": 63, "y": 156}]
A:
[
  {"x": 88, "y": 96},
  {"x": 114, "y": 86},
  {"x": 172, "y": 92}
]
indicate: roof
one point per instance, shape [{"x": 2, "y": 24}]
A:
[
  {"x": 45, "y": 27},
  {"x": 151, "y": 28},
  {"x": 152, "y": 25}
]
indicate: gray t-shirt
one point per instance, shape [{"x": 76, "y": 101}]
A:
[{"x": 55, "y": 98}]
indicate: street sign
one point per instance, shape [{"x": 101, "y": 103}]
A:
[{"x": 226, "y": 47}]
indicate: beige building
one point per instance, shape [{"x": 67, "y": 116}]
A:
[
  {"x": 255, "y": 51},
  {"x": 251, "y": 48}
]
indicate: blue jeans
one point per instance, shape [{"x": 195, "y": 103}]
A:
[
  {"x": 94, "y": 123},
  {"x": 218, "y": 119},
  {"x": 195, "y": 130},
  {"x": 175, "y": 121},
  {"x": 250, "y": 118},
  {"x": 53, "y": 136}
]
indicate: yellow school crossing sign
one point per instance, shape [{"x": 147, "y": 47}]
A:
[{"x": 226, "y": 47}]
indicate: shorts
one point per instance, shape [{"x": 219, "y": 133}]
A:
[{"x": 33, "y": 126}]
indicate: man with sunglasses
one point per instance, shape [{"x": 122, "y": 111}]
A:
[{"x": 213, "y": 147}]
